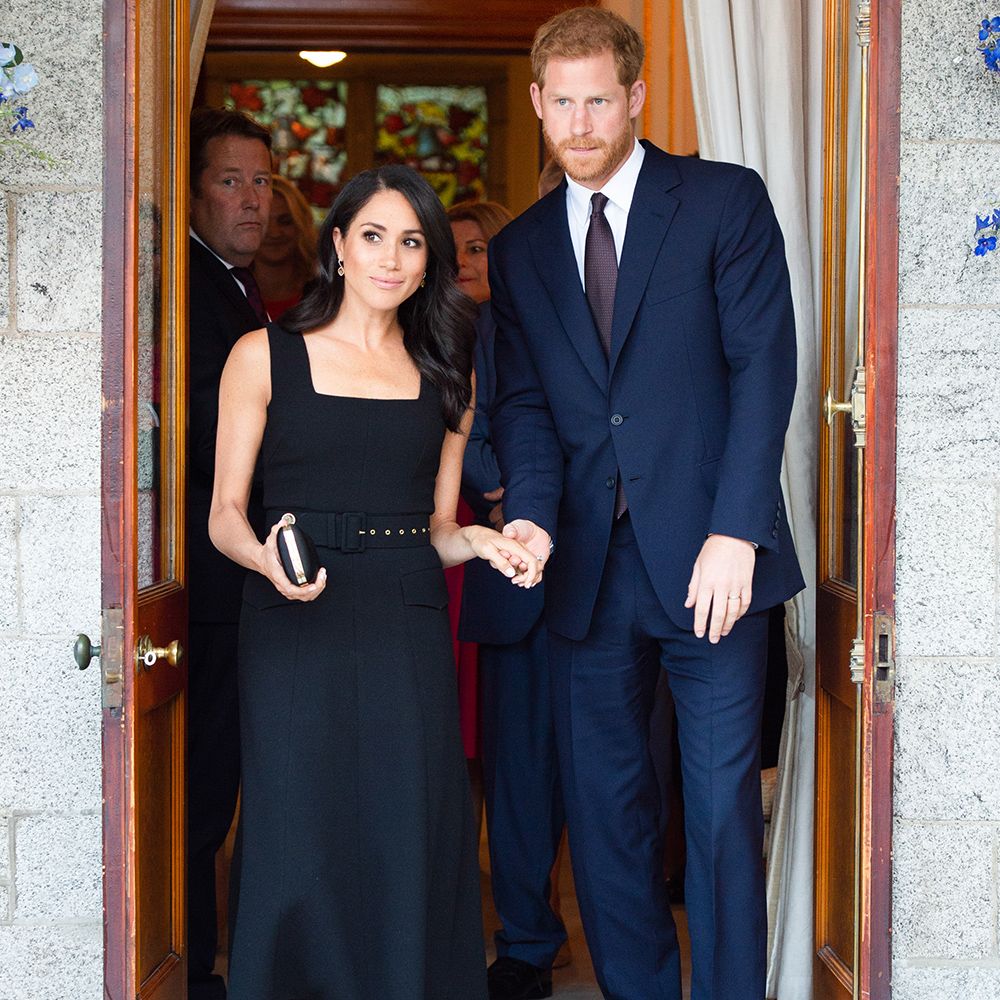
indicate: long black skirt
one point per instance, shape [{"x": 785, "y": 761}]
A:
[{"x": 358, "y": 872}]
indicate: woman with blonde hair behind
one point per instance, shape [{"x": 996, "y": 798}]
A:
[{"x": 286, "y": 260}]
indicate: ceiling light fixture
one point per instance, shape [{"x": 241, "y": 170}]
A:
[{"x": 323, "y": 59}]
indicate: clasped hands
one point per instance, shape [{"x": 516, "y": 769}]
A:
[
  {"x": 721, "y": 585},
  {"x": 539, "y": 543},
  {"x": 519, "y": 559}
]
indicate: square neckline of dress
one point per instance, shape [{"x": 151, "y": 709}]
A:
[{"x": 365, "y": 399}]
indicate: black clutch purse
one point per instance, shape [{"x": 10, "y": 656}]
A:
[{"x": 297, "y": 552}]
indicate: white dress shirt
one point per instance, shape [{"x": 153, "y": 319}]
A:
[{"x": 619, "y": 191}]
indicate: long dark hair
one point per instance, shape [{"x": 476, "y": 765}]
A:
[{"x": 437, "y": 320}]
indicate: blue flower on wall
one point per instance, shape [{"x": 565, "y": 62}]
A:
[
  {"x": 989, "y": 43},
  {"x": 17, "y": 78},
  {"x": 987, "y": 232}
]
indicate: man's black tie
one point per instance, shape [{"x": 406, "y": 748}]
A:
[
  {"x": 600, "y": 276},
  {"x": 247, "y": 280}
]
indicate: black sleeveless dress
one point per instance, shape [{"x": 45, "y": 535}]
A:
[{"x": 359, "y": 876}]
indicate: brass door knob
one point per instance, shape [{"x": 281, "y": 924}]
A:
[
  {"x": 84, "y": 651},
  {"x": 831, "y": 408},
  {"x": 146, "y": 654}
]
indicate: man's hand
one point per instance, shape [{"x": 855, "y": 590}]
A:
[
  {"x": 496, "y": 517},
  {"x": 531, "y": 537},
  {"x": 723, "y": 581},
  {"x": 496, "y": 514}
]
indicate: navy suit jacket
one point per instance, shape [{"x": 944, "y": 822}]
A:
[
  {"x": 493, "y": 611},
  {"x": 692, "y": 405}
]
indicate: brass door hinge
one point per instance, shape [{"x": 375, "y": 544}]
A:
[
  {"x": 864, "y": 23},
  {"x": 857, "y": 660}
]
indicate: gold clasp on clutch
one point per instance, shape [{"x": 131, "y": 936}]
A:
[{"x": 287, "y": 521}]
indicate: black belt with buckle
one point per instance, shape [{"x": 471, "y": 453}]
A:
[{"x": 353, "y": 531}]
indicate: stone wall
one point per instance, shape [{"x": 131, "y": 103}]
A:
[
  {"x": 50, "y": 363},
  {"x": 947, "y": 773}
]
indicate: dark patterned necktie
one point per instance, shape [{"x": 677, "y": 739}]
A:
[
  {"x": 600, "y": 269},
  {"x": 246, "y": 279},
  {"x": 600, "y": 276}
]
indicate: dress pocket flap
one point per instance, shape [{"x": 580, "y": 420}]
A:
[{"x": 425, "y": 587}]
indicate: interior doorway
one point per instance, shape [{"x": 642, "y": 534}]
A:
[{"x": 145, "y": 227}]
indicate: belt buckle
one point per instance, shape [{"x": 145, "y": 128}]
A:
[{"x": 353, "y": 528}]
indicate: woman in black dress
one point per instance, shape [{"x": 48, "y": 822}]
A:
[{"x": 359, "y": 877}]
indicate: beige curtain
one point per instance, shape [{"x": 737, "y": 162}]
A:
[
  {"x": 201, "y": 19},
  {"x": 756, "y": 69}
]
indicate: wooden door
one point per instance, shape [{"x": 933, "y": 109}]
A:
[
  {"x": 881, "y": 350},
  {"x": 143, "y": 551},
  {"x": 840, "y": 657}
]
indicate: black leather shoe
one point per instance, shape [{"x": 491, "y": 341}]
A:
[{"x": 511, "y": 979}]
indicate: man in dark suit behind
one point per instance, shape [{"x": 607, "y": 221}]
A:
[
  {"x": 230, "y": 203},
  {"x": 524, "y": 808},
  {"x": 645, "y": 355}
]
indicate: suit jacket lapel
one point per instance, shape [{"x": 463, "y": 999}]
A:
[
  {"x": 556, "y": 264},
  {"x": 223, "y": 280},
  {"x": 649, "y": 219}
]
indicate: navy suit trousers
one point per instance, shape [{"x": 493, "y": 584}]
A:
[
  {"x": 603, "y": 696},
  {"x": 524, "y": 804}
]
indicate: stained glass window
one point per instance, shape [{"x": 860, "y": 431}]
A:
[
  {"x": 307, "y": 119},
  {"x": 440, "y": 131}
]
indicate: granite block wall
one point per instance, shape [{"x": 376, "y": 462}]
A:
[
  {"x": 50, "y": 411},
  {"x": 947, "y": 768}
]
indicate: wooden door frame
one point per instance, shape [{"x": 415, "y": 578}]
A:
[{"x": 882, "y": 325}]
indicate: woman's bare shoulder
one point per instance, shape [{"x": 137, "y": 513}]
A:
[
  {"x": 251, "y": 351},
  {"x": 249, "y": 364}
]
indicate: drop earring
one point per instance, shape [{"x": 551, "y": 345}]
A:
[
  {"x": 340, "y": 267},
  {"x": 423, "y": 280}
]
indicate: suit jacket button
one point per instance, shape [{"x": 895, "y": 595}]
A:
[
  {"x": 617, "y": 420},
  {"x": 774, "y": 534},
  {"x": 610, "y": 482}
]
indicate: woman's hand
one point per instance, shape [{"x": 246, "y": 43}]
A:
[
  {"x": 506, "y": 555},
  {"x": 269, "y": 564}
]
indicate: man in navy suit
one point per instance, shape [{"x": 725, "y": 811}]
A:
[
  {"x": 645, "y": 355},
  {"x": 524, "y": 807}
]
